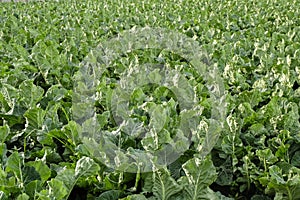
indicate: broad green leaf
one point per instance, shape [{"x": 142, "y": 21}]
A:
[
  {"x": 33, "y": 188},
  {"x": 8, "y": 97},
  {"x": 23, "y": 197},
  {"x": 52, "y": 119},
  {"x": 41, "y": 168},
  {"x": 43, "y": 195},
  {"x": 30, "y": 174},
  {"x": 30, "y": 94},
  {"x": 164, "y": 186},
  {"x": 86, "y": 167},
  {"x": 253, "y": 97},
  {"x": 34, "y": 118},
  {"x": 296, "y": 159},
  {"x": 211, "y": 195},
  {"x": 109, "y": 195},
  {"x": 72, "y": 132},
  {"x": 14, "y": 165},
  {"x": 272, "y": 108},
  {"x": 57, "y": 189},
  {"x": 4, "y": 132},
  {"x": 38, "y": 55},
  {"x": 55, "y": 93},
  {"x": 211, "y": 136},
  {"x": 103, "y": 119},
  {"x": 189, "y": 121},
  {"x": 67, "y": 178},
  {"x": 52, "y": 52},
  {"x": 158, "y": 118},
  {"x": 199, "y": 175}
]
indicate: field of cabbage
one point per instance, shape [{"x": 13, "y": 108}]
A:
[{"x": 136, "y": 100}]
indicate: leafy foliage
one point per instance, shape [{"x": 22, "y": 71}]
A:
[{"x": 255, "y": 45}]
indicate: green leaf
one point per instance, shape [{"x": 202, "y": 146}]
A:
[
  {"x": 266, "y": 156},
  {"x": 56, "y": 93},
  {"x": 199, "y": 175},
  {"x": 52, "y": 118},
  {"x": 67, "y": 177},
  {"x": 43, "y": 195},
  {"x": 30, "y": 174},
  {"x": 14, "y": 165},
  {"x": 109, "y": 195},
  {"x": 164, "y": 185},
  {"x": 57, "y": 189},
  {"x": 72, "y": 131},
  {"x": 276, "y": 174},
  {"x": 23, "y": 197},
  {"x": 283, "y": 186},
  {"x": 30, "y": 94},
  {"x": 3, "y": 151},
  {"x": 52, "y": 52},
  {"x": 4, "y": 132},
  {"x": 41, "y": 167},
  {"x": 86, "y": 167},
  {"x": 211, "y": 195},
  {"x": 38, "y": 54},
  {"x": 296, "y": 159},
  {"x": 33, "y": 188},
  {"x": 34, "y": 118},
  {"x": 158, "y": 118}
]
